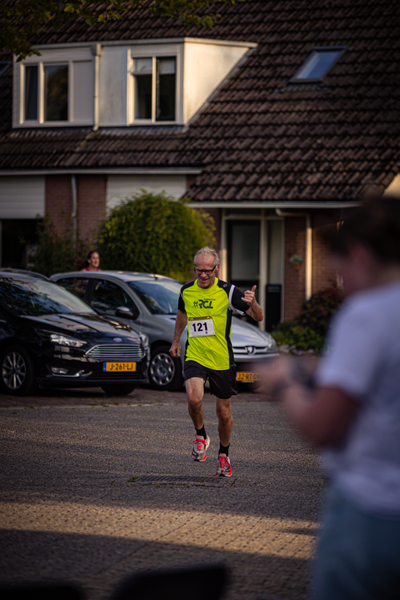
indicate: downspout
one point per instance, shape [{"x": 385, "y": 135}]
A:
[
  {"x": 96, "y": 51},
  {"x": 308, "y": 262},
  {"x": 74, "y": 209}
]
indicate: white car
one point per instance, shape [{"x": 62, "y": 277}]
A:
[{"x": 149, "y": 304}]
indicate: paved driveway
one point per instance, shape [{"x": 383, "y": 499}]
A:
[{"x": 94, "y": 489}]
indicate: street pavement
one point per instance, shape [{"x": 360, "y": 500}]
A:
[{"x": 94, "y": 489}]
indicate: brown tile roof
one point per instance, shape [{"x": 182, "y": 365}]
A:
[{"x": 260, "y": 138}]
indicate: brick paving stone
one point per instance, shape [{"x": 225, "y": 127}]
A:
[{"x": 74, "y": 508}]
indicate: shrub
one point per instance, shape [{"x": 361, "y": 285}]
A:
[
  {"x": 317, "y": 312},
  {"x": 154, "y": 232},
  {"x": 308, "y": 330},
  {"x": 56, "y": 252}
]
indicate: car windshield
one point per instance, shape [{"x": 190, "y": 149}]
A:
[
  {"x": 27, "y": 297},
  {"x": 160, "y": 296}
]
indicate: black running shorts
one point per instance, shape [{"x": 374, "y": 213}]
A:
[{"x": 222, "y": 383}]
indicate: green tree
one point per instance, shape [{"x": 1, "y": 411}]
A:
[
  {"x": 20, "y": 20},
  {"x": 154, "y": 232}
]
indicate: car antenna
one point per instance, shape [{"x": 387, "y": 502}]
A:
[{"x": 138, "y": 261}]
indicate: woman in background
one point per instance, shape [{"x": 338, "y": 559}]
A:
[{"x": 92, "y": 261}]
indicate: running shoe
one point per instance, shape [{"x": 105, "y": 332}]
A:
[
  {"x": 224, "y": 466},
  {"x": 200, "y": 445}
]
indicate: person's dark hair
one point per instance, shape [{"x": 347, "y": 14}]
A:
[{"x": 375, "y": 224}]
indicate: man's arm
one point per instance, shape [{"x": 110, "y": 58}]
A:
[
  {"x": 254, "y": 311},
  {"x": 180, "y": 324}
]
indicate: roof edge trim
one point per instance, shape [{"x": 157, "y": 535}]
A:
[
  {"x": 276, "y": 204},
  {"x": 152, "y": 41},
  {"x": 105, "y": 171}
]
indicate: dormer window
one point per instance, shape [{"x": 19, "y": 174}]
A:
[
  {"x": 54, "y": 94},
  {"x": 55, "y": 89},
  {"x": 317, "y": 65},
  {"x": 154, "y": 88}
]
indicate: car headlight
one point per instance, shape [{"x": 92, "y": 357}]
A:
[
  {"x": 272, "y": 346},
  {"x": 60, "y": 339},
  {"x": 145, "y": 340}
]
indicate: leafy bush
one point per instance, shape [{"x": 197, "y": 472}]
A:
[
  {"x": 56, "y": 251},
  {"x": 317, "y": 312},
  {"x": 308, "y": 330},
  {"x": 154, "y": 232}
]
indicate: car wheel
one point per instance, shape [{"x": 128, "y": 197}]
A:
[
  {"x": 17, "y": 372},
  {"x": 165, "y": 372},
  {"x": 118, "y": 389}
]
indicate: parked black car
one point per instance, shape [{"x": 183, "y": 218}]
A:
[{"x": 49, "y": 337}]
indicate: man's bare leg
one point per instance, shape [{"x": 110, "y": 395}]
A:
[
  {"x": 195, "y": 394},
  {"x": 225, "y": 420}
]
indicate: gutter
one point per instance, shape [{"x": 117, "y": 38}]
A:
[
  {"x": 105, "y": 171},
  {"x": 277, "y": 204},
  {"x": 96, "y": 51}
]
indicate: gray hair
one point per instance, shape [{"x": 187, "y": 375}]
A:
[{"x": 207, "y": 250}]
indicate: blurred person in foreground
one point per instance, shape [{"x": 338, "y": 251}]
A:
[{"x": 350, "y": 407}]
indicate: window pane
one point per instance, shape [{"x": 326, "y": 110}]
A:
[
  {"x": 31, "y": 93},
  {"x": 108, "y": 296},
  {"x": 245, "y": 250},
  {"x": 318, "y": 64},
  {"x": 160, "y": 297},
  {"x": 143, "y": 97},
  {"x": 56, "y": 96},
  {"x": 75, "y": 285},
  {"x": 166, "y": 89},
  {"x": 143, "y": 65}
]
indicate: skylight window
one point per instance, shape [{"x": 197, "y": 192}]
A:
[
  {"x": 3, "y": 66},
  {"x": 317, "y": 65}
]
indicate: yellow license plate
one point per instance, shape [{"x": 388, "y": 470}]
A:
[
  {"x": 247, "y": 377},
  {"x": 119, "y": 366}
]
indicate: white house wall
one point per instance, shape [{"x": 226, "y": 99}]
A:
[
  {"x": 113, "y": 78},
  {"x": 205, "y": 67},
  {"x": 22, "y": 197},
  {"x": 120, "y": 187}
]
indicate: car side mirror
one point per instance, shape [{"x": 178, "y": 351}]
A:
[{"x": 126, "y": 313}]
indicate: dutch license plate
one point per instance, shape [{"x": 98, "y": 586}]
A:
[
  {"x": 119, "y": 366},
  {"x": 247, "y": 376}
]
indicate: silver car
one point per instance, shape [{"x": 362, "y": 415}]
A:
[{"x": 149, "y": 304}]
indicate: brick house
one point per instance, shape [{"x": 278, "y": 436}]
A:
[{"x": 274, "y": 121}]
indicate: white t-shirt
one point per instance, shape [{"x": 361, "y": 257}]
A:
[{"x": 363, "y": 360}]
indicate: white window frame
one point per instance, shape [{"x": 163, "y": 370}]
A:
[
  {"x": 154, "y": 53},
  {"x": 53, "y": 57},
  {"x": 42, "y": 92}
]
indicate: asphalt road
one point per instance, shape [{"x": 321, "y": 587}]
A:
[{"x": 94, "y": 489}]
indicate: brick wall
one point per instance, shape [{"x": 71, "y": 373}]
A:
[
  {"x": 294, "y": 281},
  {"x": 58, "y": 201},
  {"x": 215, "y": 213},
  {"x": 91, "y": 202},
  {"x": 322, "y": 274},
  {"x": 91, "y": 192}
]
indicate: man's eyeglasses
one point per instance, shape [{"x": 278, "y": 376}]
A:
[{"x": 206, "y": 271}]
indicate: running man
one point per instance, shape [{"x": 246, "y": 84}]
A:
[{"x": 206, "y": 306}]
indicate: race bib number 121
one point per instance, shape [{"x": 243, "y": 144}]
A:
[{"x": 201, "y": 326}]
